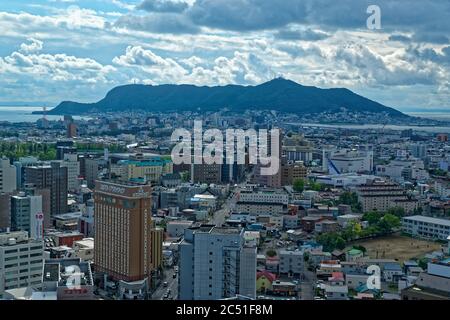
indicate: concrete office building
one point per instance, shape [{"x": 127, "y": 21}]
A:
[
  {"x": 123, "y": 234},
  {"x": 5, "y": 211},
  {"x": 292, "y": 171},
  {"x": 206, "y": 173},
  {"x": 21, "y": 261},
  {"x": 8, "y": 182},
  {"x": 73, "y": 171},
  {"x": 53, "y": 177},
  {"x": 27, "y": 215},
  {"x": 215, "y": 264},
  {"x": 20, "y": 168}
]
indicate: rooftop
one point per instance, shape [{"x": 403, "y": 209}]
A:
[{"x": 425, "y": 219}]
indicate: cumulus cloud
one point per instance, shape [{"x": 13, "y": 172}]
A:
[
  {"x": 34, "y": 46},
  {"x": 210, "y": 42}
]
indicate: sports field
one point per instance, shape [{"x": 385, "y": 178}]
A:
[{"x": 397, "y": 247}]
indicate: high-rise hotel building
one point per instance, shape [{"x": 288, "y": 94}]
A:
[{"x": 123, "y": 230}]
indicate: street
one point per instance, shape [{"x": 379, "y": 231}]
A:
[
  {"x": 172, "y": 285},
  {"x": 219, "y": 217}
]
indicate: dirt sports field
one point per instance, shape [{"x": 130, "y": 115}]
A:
[{"x": 398, "y": 247}]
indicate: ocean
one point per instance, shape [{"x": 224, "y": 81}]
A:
[{"x": 24, "y": 114}]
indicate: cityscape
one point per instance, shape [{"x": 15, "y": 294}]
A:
[{"x": 268, "y": 186}]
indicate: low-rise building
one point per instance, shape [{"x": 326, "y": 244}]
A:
[
  {"x": 426, "y": 227},
  {"x": 291, "y": 262},
  {"x": 71, "y": 279}
]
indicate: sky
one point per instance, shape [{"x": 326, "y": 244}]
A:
[{"x": 57, "y": 50}]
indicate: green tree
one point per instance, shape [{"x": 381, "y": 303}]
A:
[
  {"x": 271, "y": 253},
  {"x": 397, "y": 211},
  {"x": 299, "y": 185},
  {"x": 389, "y": 222},
  {"x": 372, "y": 217}
]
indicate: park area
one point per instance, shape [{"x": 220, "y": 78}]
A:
[{"x": 397, "y": 247}]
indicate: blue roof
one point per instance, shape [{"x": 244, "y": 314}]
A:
[
  {"x": 156, "y": 161},
  {"x": 392, "y": 266},
  {"x": 363, "y": 288}
]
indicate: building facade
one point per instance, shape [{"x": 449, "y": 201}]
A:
[
  {"x": 215, "y": 264},
  {"x": 53, "y": 177},
  {"x": 21, "y": 261},
  {"x": 426, "y": 227},
  {"x": 123, "y": 230},
  {"x": 8, "y": 181}
]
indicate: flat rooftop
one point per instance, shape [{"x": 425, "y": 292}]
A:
[{"x": 431, "y": 220}]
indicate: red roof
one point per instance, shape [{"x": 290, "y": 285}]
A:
[
  {"x": 269, "y": 276},
  {"x": 336, "y": 276}
]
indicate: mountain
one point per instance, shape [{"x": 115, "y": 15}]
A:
[{"x": 278, "y": 94}]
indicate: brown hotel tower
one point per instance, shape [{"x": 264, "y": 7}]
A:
[{"x": 123, "y": 230}]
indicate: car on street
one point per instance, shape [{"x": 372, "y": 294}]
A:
[{"x": 165, "y": 284}]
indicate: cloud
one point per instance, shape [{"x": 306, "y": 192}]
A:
[
  {"x": 305, "y": 35},
  {"x": 158, "y": 23},
  {"x": 34, "y": 46},
  {"x": 400, "y": 38},
  {"x": 246, "y": 15},
  {"x": 163, "y": 69},
  {"x": 163, "y": 6}
]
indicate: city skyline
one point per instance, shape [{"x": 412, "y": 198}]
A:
[{"x": 55, "y": 50}]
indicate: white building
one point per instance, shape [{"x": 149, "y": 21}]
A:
[
  {"x": 215, "y": 264},
  {"x": 345, "y": 180},
  {"x": 8, "y": 181},
  {"x": 73, "y": 171},
  {"x": 27, "y": 215},
  {"x": 347, "y": 160},
  {"x": 426, "y": 227},
  {"x": 404, "y": 169},
  {"x": 259, "y": 208},
  {"x": 264, "y": 196},
  {"x": 21, "y": 261},
  {"x": 84, "y": 249}
]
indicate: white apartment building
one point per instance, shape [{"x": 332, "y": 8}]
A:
[
  {"x": 8, "y": 181},
  {"x": 259, "y": 208},
  {"x": 426, "y": 227},
  {"x": 21, "y": 261},
  {"x": 215, "y": 264},
  {"x": 264, "y": 196}
]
